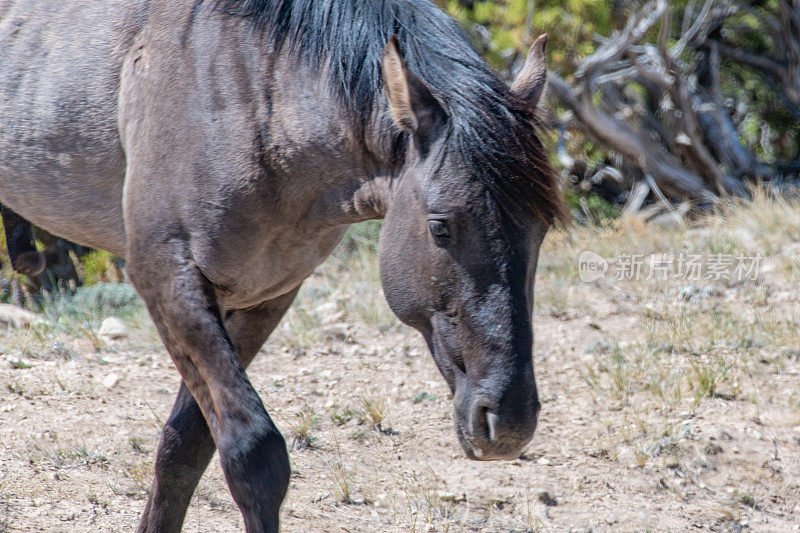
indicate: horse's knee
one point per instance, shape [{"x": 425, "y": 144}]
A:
[{"x": 256, "y": 464}]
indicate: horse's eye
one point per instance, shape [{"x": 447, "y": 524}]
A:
[{"x": 440, "y": 232}]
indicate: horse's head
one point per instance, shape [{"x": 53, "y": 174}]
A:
[{"x": 457, "y": 264}]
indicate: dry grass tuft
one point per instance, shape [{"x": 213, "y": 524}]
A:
[{"x": 301, "y": 427}]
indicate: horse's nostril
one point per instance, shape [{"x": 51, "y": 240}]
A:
[
  {"x": 491, "y": 423},
  {"x": 484, "y": 423}
]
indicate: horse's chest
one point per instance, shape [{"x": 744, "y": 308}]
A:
[{"x": 264, "y": 265}]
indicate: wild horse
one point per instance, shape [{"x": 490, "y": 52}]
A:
[{"x": 223, "y": 148}]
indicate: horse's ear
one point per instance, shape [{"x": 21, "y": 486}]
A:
[
  {"x": 531, "y": 81},
  {"x": 411, "y": 103}
]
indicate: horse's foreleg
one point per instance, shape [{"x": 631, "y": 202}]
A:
[
  {"x": 186, "y": 445},
  {"x": 25, "y": 259},
  {"x": 252, "y": 451},
  {"x": 185, "y": 449}
]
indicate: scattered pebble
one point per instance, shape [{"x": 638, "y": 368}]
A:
[
  {"x": 12, "y": 316},
  {"x": 671, "y": 220},
  {"x": 113, "y": 329},
  {"x": 110, "y": 380}
]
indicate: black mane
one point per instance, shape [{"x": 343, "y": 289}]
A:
[{"x": 493, "y": 130}]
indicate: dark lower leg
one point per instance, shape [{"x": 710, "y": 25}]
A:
[
  {"x": 185, "y": 449},
  {"x": 20, "y": 243},
  {"x": 186, "y": 445}
]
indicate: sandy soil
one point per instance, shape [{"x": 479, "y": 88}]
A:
[{"x": 76, "y": 455}]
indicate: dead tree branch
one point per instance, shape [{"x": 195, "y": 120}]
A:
[{"x": 662, "y": 107}]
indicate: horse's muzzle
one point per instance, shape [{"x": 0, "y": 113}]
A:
[{"x": 490, "y": 431}]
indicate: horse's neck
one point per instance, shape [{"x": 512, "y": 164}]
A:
[{"x": 349, "y": 165}]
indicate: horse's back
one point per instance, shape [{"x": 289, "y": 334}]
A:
[{"x": 61, "y": 161}]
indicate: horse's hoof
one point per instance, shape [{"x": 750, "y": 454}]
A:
[{"x": 29, "y": 263}]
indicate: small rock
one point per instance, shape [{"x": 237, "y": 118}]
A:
[
  {"x": 110, "y": 380},
  {"x": 329, "y": 313},
  {"x": 113, "y": 329},
  {"x": 670, "y": 220},
  {"x": 339, "y": 331},
  {"x": 12, "y": 316}
]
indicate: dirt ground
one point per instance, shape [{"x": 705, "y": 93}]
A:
[{"x": 369, "y": 421}]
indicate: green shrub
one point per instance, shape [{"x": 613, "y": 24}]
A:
[
  {"x": 97, "y": 302},
  {"x": 595, "y": 208},
  {"x": 99, "y": 267}
]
